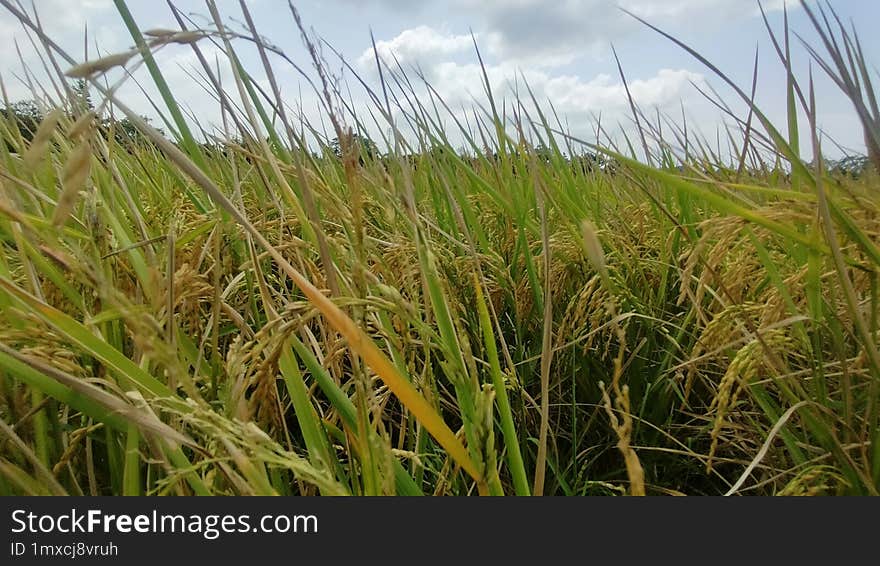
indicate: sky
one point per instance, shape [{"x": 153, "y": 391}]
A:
[{"x": 561, "y": 48}]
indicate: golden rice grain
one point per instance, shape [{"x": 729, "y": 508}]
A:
[
  {"x": 40, "y": 141},
  {"x": 73, "y": 179}
]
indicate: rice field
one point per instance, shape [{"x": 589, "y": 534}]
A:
[{"x": 292, "y": 308}]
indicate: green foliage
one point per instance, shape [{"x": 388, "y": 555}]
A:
[
  {"x": 26, "y": 117},
  {"x": 854, "y": 166},
  {"x": 366, "y": 147},
  {"x": 249, "y": 316}
]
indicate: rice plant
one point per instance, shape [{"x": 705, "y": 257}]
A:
[{"x": 285, "y": 307}]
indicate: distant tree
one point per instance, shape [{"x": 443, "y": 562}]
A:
[
  {"x": 26, "y": 116},
  {"x": 368, "y": 148},
  {"x": 543, "y": 153},
  {"x": 853, "y": 166},
  {"x": 438, "y": 152},
  {"x": 125, "y": 132},
  {"x": 587, "y": 162},
  {"x": 81, "y": 91}
]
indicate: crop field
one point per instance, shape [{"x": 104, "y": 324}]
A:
[{"x": 294, "y": 308}]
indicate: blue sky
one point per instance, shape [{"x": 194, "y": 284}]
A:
[{"x": 563, "y": 48}]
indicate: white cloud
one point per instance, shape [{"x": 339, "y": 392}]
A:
[
  {"x": 64, "y": 15},
  {"x": 715, "y": 10},
  {"x": 573, "y": 97},
  {"x": 458, "y": 82},
  {"x": 417, "y": 46},
  {"x": 572, "y": 94},
  {"x": 65, "y": 22},
  {"x": 553, "y": 33},
  {"x": 577, "y": 100}
]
